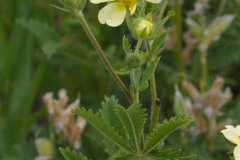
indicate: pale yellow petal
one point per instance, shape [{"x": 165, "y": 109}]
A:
[
  {"x": 232, "y": 135},
  {"x": 229, "y": 126},
  {"x": 112, "y": 14},
  {"x": 100, "y": 1},
  {"x": 236, "y": 153},
  {"x": 154, "y": 1}
]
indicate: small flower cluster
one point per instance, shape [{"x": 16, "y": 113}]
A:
[
  {"x": 63, "y": 118},
  {"x": 233, "y": 135},
  {"x": 205, "y": 107}
]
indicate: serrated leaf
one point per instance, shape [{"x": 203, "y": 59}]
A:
[
  {"x": 162, "y": 131},
  {"x": 126, "y": 46},
  {"x": 149, "y": 71},
  {"x": 133, "y": 120},
  {"x": 159, "y": 41},
  {"x": 109, "y": 115},
  {"x": 103, "y": 126},
  {"x": 72, "y": 155},
  {"x": 123, "y": 71},
  {"x": 164, "y": 20},
  {"x": 143, "y": 86}
]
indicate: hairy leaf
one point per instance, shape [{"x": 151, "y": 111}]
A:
[
  {"x": 72, "y": 155},
  {"x": 149, "y": 71},
  {"x": 108, "y": 113},
  {"x": 133, "y": 120},
  {"x": 162, "y": 131},
  {"x": 126, "y": 46},
  {"x": 103, "y": 127}
]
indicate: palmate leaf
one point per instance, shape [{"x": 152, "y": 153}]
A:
[
  {"x": 133, "y": 120},
  {"x": 162, "y": 131},
  {"x": 103, "y": 126},
  {"x": 126, "y": 46},
  {"x": 72, "y": 155}
]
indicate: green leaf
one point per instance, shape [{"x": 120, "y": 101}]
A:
[
  {"x": 123, "y": 71},
  {"x": 72, "y": 155},
  {"x": 103, "y": 126},
  {"x": 159, "y": 41},
  {"x": 137, "y": 76},
  {"x": 133, "y": 120},
  {"x": 48, "y": 36},
  {"x": 164, "y": 20},
  {"x": 110, "y": 115},
  {"x": 162, "y": 131},
  {"x": 149, "y": 71},
  {"x": 143, "y": 86},
  {"x": 126, "y": 46}
]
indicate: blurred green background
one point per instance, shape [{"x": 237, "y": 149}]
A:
[{"x": 43, "y": 50}]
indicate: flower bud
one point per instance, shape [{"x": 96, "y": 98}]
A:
[
  {"x": 134, "y": 60},
  {"x": 143, "y": 29}
]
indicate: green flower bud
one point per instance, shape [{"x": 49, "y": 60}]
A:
[
  {"x": 143, "y": 29},
  {"x": 134, "y": 60}
]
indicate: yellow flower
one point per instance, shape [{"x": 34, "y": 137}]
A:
[
  {"x": 233, "y": 135},
  {"x": 114, "y": 13}
]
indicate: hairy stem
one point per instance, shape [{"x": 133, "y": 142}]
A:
[
  {"x": 203, "y": 82},
  {"x": 102, "y": 55}
]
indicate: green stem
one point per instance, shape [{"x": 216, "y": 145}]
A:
[
  {"x": 203, "y": 82},
  {"x": 155, "y": 107},
  {"x": 221, "y": 7},
  {"x": 102, "y": 55},
  {"x": 138, "y": 46},
  {"x": 179, "y": 46}
]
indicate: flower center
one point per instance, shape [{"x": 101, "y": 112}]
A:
[{"x": 128, "y": 3}]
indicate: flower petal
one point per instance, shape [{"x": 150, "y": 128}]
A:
[
  {"x": 154, "y": 1},
  {"x": 229, "y": 126},
  {"x": 236, "y": 153},
  {"x": 232, "y": 135},
  {"x": 100, "y": 1},
  {"x": 112, "y": 14}
]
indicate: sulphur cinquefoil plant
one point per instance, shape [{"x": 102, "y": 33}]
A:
[{"x": 124, "y": 127}]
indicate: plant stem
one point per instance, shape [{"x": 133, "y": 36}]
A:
[
  {"x": 155, "y": 108},
  {"x": 138, "y": 46},
  {"x": 203, "y": 82},
  {"x": 179, "y": 46},
  {"x": 102, "y": 55}
]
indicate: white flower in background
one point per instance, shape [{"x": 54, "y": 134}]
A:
[
  {"x": 233, "y": 135},
  {"x": 64, "y": 119},
  {"x": 114, "y": 13}
]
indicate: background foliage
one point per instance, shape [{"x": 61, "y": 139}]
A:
[{"x": 43, "y": 49}]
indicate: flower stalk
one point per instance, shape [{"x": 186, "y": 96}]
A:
[{"x": 102, "y": 55}]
